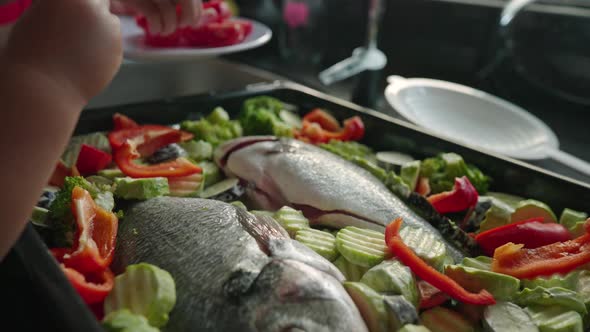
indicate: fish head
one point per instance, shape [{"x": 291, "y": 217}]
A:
[{"x": 289, "y": 295}]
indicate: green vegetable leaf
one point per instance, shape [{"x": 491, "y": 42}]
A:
[{"x": 444, "y": 168}]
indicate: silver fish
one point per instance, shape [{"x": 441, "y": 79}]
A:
[
  {"x": 234, "y": 271},
  {"x": 329, "y": 190}
]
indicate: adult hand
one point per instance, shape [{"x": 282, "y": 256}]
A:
[{"x": 162, "y": 16}]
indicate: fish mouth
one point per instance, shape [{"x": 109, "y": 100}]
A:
[{"x": 223, "y": 152}]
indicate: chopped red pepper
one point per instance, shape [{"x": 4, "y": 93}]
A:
[
  {"x": 430, "y": 296},
  {"x": 92, "y": 288},
  {"x": 121, "y": 121},
  {"x": 118, "y": 137},
  {"x": 532, "y": 233},
  {"x": 59, "y": 174},
  {"x": 423, "y": 186},
  {"x": 94, "y": 243},
  {"x": 125, "y": 155},
  {"x": 462, "y": 197},
  {"x": 429, "y": 274},
  {"x": 560, "y": 257},
  {"x": 91, "y": 160},
  {"x": 320, "y": 127}
]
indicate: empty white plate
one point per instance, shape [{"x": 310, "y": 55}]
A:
[
  {"x": 135, "y": 49},
  {"x": 476, "y": 118}
]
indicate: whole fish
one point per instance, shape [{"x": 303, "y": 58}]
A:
[
  {"x": 329, "y": 190},
  {"x": 234, "y": 271}
]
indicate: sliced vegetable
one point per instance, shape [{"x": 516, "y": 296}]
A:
[
  {"x": 126, "y": 321},
  {"x": 59, "y": 174},
  {"x": 91, "y": 160},
  {"x": 292, "y": 220},
  {"x": 429, "y": 274},
  {"x": 399, "y": 311},
  {"x": 555, "y": 296},
  {"x": 506, "y": 316},
  {"x": 560, "y": 257},
  {"x": 430, "y": 296},
  {"x": 555, "y": 319},
  {"x": 349, "y": 150},
  {"x": 360, "y": 246},
  {"x": 227, "y": 190},
  {"x": 425, "y": 245},
  {"x": 187, "y": 186},
  {"x": 351, "y": 272},
  {"x": 40, "y": 217},
  {"x": 162, "y": 135},
  {"x": 94, "y": 244},
  {"x": 501, "y": 286},
  {"x": 145, "y": 290},
  {"x": 499, "y": 214},
  {"x": 126, "y": 154},
  {"x": 462, "y": 197},
  {"x": 370, "y": 304},
  {"x": 96, "y": 140},
  {"x": 410, "y": 172},
  {"x": 530, "y": 208},
  {"x": 414, "y": 328},
  {"x": 121, "y": 121},
  {"x": 111, "y": 173},
  {"x": 441, "y": 319},
  {"x": 392, "y": 277},
  {"x": 567, "y": 281},
  {"x": 581, "y": 286},
  {"x": 211, "y": 173},
  {"x": 480, "y": 262},
  {"x": 320, "y": 127},
  {"x": 324, "y": 243},
  {"x": 573, "y": 221},
  {"x": 128, "y": 188},
  {"x": 423, "y": 186},
  {"x": 444, "y": 168},
  {"x": 92, "y": 288},
  {"x": 532, "y": 233}
]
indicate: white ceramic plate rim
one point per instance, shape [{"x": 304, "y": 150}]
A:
[
  {"x": 134, "y": 49},
  {"x": 398, "y": 83}
]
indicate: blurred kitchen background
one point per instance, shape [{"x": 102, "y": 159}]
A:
[
  {"x": 538, "y": 57},
  {"x": 534, "y": 53}
]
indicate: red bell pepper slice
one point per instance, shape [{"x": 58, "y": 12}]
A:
[
  {"x": 91, "y": 160},
  {"x": 320, "y": 127},
  {"x": 462, "y": 197},
  {"x": 430, "y": 296},
  {"x": 429, "y": 274},
  {"x": 92, "y": 288},
  {"x": 94, "y": 243},
  {"x": 125, "y": 155},
  {"x": 532, "y": 233},
  {"x": 59, "y": 174},
  {"x": 118, "y": 137},
  {"x": 121, "y": 121},
  {"x": 559, "y": 257},
  {"x": 221, "y": 8}
]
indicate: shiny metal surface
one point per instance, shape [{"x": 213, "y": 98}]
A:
[{"x": 139, "y": 82}]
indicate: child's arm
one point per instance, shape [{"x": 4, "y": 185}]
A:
[{"x": 61, "y": 54}]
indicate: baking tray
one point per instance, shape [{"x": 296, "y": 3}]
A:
[{"x": 38, "y": 295}]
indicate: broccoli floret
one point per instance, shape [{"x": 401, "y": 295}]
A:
[
  {"x": 442, "y": 170},
  {"x": 60, "y": 210},
  {"x": 215, "y": 129},
  {"x": 260, "y": 116}
]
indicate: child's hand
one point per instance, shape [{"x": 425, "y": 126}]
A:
[
  {"x": 76, "y": 43},
  {"x": 161, "y": 14}
]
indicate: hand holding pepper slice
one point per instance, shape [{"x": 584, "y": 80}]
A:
[
  {"x": 532, "y": 233},
  {"x": 428, "y": 273},
  {"x": 94, "y": 245},
  {"x": 463, "y": 196},
  {"x": 320, "y": 127},
  {"x": 560, "y": 257}
]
